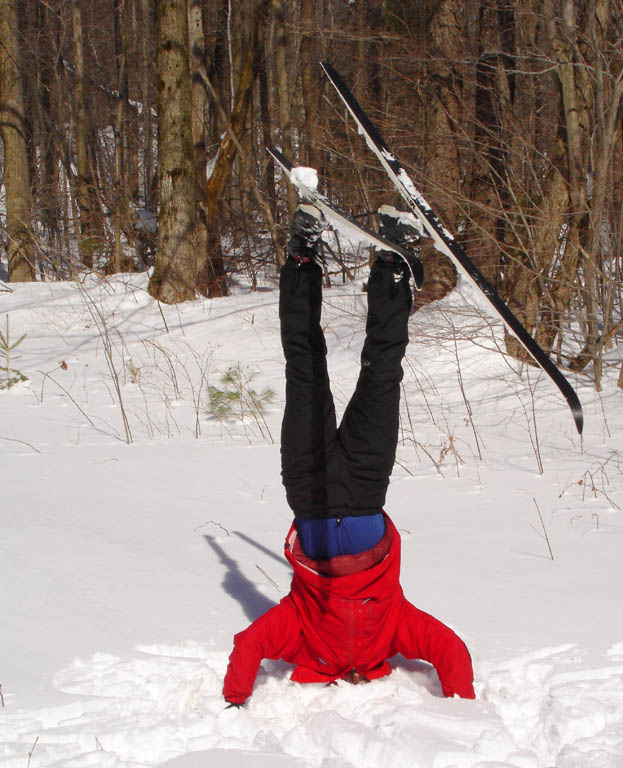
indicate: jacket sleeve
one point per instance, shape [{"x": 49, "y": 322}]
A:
[
  {"x": 275, "y": 635},
  {"x": 421, "y": 636}
]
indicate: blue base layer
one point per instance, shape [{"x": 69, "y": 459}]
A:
[{"x": 323, "y": 539}]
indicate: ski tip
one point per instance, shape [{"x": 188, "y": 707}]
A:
[
  {"x": 334, "y": 76},
  {"x": 418, "y": 275},
  {"x": 578, "y": 416}
]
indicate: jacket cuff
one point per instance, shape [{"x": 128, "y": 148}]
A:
[{"x": 464, "y": 691}]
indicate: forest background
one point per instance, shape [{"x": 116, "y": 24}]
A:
[{"x": 134, "y": 134}]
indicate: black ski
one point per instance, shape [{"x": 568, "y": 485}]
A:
[
  {"x": 446, "y": 243},
  {"x": 343, "y": 221}
]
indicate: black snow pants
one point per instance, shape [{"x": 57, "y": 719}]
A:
[{"x": 331, "y": 472}]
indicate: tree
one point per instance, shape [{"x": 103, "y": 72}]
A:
[
  {"x": 13, "y": 132},
  {"x": 211, "y": 275},
  {"x": 89, "y": 242},
  {"x": 120, "y": 176},
  {"x": 174, "y": 276}
]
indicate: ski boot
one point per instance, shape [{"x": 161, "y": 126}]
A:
[
  {"x": 304, "y": 245},
  {"x": 403, "y": 229}
]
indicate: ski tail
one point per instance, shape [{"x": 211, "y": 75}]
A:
[{"x": 447, "y": 244}]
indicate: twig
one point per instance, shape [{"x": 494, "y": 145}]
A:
[
  {"x": 266, "y": 576},
  {"x": 551, "y": 554},
  {"x": 422, "y": 390},
  {"x": 416, "y": 444},
  {"x": 536, "y": 431},
  {"x": 212, "y": 522},
  {"x": 23, "y": 442},
  {"x": 1, "y": 697},
  {"x": 403, "y": 466},
  {"x": 31, "y": 751},
  {"x": 465, "y": 400},
  {"x": 163, "y": 317},
  {"x": 179, "y": 320},
  {"x": 61, "y": 387},
  {"x": 102, "y": 327}
]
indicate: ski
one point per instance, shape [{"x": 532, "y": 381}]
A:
[
  {"x": 342, "y": 221},
  {"x": 446, "y": 243}
]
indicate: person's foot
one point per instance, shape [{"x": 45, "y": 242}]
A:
[
  {"x": 403, "y": 229},
  {"x": 305, "y": 234},
  {"x": 400, "y": 227}
]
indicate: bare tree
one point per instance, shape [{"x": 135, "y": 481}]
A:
[
  {"x": 88, "y": 243},
  {"x": 120, "y": 177},
  {"x": 199, "y": 120},
  {"x": 13, "y": 132},
  {"x": 283, "y": 89},
  {"x": 211, "y": 274},
  {"x": 146, "y": 22},
  {"x": 174, "y": 276}
]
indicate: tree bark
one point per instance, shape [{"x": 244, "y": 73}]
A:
[
  {"x": 147, "y": 64},
  {"x": 199, "y": 113},
  {"x": 21, "y": 255},
  {"x": 284, "y": 92},
  {"x": 211, "y": 274},
  {"x": 49, "y": 150},
  {"x": 174, "y": 276},
  {"x": 87, "y": 242},
  {"x": 443, "y": 160},
  {"x": 310, "y": 86},
  {"x": 120, "y": 179}
]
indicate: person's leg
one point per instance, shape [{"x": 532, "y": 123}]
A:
[
  {"x": 368, "y": 434},
  {"x": 367, "y": 437},
  {"x": 336, "y": 488},
  {"x": 308, "y": 432}
]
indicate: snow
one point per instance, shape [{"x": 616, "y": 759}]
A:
[
  {"x": 306, "y": 177},
  {"x": 403, "y": 217},
  {"x": 146, "y": 221},
  {"x": 127, "y": 568}
]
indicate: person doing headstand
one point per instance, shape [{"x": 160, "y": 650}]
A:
[{"x": 346, "y": 613}]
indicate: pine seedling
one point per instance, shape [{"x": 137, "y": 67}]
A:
[
  {"x": 236, "y": 400},
  {"x": 6, "y": 348}
]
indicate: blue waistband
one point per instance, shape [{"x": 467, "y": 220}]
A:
[{"x": 322, "y": 538}]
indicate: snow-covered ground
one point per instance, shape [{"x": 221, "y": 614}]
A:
[{"x": 126, "y": 568}]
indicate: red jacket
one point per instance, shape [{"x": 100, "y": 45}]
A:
[{"x": 346, "y": 626}]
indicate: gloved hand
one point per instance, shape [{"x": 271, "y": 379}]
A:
[{"x": 231, "y": 704}]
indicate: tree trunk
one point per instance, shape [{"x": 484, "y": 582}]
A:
[
  {"x": 199, "y": 109},
  {"x": 147, "y": 64},
  {"x": 266, "y": 134},
  {"x": 16, "y": 171},
  {"x": 211, "y": 274},
  {"x": 49, "y": 150},
  {"x": 120, "y": 181},
  {"x": 87, "y": 243},
  {"x": 443, "y": 161},
  {"x": 310, "y": 86},
  {"x": 284, "y": 92},
  {"x": 174, "y": 276}
]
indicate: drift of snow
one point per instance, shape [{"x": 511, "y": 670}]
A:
[{"x": 127, "y": 568}]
